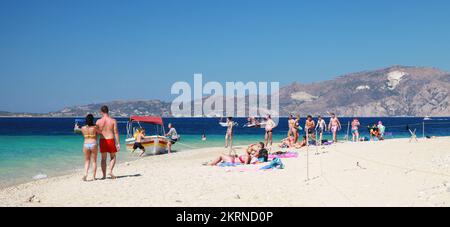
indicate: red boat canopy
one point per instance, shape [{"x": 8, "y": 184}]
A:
[{"x": 147, "y": 119}]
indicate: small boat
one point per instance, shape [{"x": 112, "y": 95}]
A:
[
  {"x": 427, "y": 118},
  {"x": 154, "y": 144}
]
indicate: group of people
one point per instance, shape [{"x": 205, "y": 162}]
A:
[
  {"x": 269, "y": 125},
  {"x": 312, "y": 130}
]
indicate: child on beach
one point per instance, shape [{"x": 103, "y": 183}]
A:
[
  {"x": 334, "y": 126},
  {"x": 355, "y": 130},
  {"x": 138, "y": 144},
  {"x": 90, "y": 148}
]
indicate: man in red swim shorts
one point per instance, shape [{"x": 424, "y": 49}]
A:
[{"x": 109, "y": 140}]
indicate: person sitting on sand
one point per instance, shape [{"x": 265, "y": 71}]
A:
[
  {"x": 261, "y": 155},
  {"x": 90, "y": 148},
  {"x": 138, "y": 143},
  {"x": 287, "y": 142}
]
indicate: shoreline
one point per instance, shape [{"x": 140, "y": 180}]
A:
[{"x": 389, "y": 173}]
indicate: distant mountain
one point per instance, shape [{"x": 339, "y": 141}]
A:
[
  {"x": 118, "y": 109},
  {"x": 393, "y": 91}
]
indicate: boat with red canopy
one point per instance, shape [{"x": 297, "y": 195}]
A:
[{"x": 156, "y": 142}]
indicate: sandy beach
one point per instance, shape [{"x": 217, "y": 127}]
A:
[{"x": 389, "y": 173}]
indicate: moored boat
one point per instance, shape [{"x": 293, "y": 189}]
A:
[{"x": 154, "y": 144}]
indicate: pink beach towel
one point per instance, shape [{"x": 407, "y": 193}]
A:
[{"x": 286, "y": 155}]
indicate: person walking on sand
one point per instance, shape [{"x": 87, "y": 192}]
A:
[
  {"x": 109, "y": 141},
  {"x": 173, "y": 137},
  {"x": 320, "y": 128},
  {"x": 229, "y": 134},
  {"x": 334, "y": 126},
  {"x": 270, "y": 125},
  {"x": 90, "y": 146},
  {"x": 355, "y": 130}
]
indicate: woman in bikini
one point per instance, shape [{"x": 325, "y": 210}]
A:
[{"x": 90, "y": 147}]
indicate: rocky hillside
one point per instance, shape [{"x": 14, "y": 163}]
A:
[
  {"x": 118, "y": 109},
  {"x": 394, "y": 91}
]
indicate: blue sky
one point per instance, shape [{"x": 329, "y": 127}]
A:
[{"x": 61, "y": 53}]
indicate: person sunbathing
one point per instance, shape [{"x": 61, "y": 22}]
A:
[
  {"x": 243, "y": 159},
  {"x": 255, "y": 153}
]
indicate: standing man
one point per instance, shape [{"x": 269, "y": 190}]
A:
[
  {"x": 173, "y": 137},
  {"x": 109, "y": 140},
  {"x": 310, "y": 125},
  {"x": 334, "y": 126},
  {"x": 270, "y": 125}
]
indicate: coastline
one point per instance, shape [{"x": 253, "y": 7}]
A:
[{"x": 389, "y": 173}]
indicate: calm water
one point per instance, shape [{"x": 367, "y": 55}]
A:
[{"x": 48, "y": 146}]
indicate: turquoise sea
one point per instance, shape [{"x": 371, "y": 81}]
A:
[{"x": 33, "y": 148}]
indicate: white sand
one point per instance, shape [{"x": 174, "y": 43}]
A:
[{"x": 390, "y": 173}]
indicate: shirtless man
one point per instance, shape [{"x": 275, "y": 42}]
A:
[
  {"x": 109, "y": 140},
  {"x": 334, "y": 126},
  {"x": 310, "y": 125}
]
